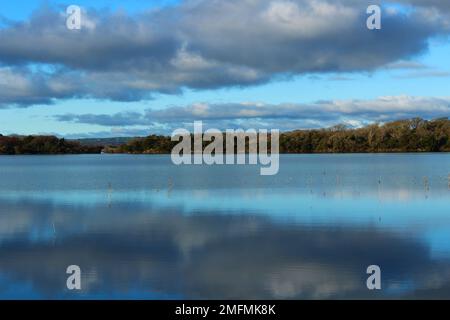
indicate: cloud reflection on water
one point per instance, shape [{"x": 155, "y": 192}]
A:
[{"x": 143, "y": 250}]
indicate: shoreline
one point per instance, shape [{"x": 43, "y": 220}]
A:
[
  {"x": 402, "y": 136},
  {"x": 281, "y": 153}
]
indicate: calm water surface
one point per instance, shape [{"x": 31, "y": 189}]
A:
[{"x": 140, "y": 227}]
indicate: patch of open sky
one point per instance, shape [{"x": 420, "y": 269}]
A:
[
  {"x": 4, "y": 23},
  {"x": 397, "y": 8},
  {"x": 43, "y": 68}
]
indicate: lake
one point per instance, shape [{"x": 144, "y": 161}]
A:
[{"x": 141, "y": 228}]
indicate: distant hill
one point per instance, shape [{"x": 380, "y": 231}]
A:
[{"x": 104, "y": 142}]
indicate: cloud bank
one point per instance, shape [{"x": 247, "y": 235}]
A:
[
  {"x": 286, "y": 116},
  {"x": 202, "y": 44}
]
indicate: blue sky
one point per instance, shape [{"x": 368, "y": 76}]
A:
[{"x": 420, "y": 72}]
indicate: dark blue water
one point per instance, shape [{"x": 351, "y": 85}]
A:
[{"x": 140, "y": 227}]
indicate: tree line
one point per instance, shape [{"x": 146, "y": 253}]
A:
[
  {"x": 15, "y": 145},
  {"x": 413, "y": 135}
]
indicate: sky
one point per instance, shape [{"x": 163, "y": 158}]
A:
[{"x": 141, "y": 67}]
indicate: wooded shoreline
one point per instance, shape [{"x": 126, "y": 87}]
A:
[{"x": 413, "y": 135}]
